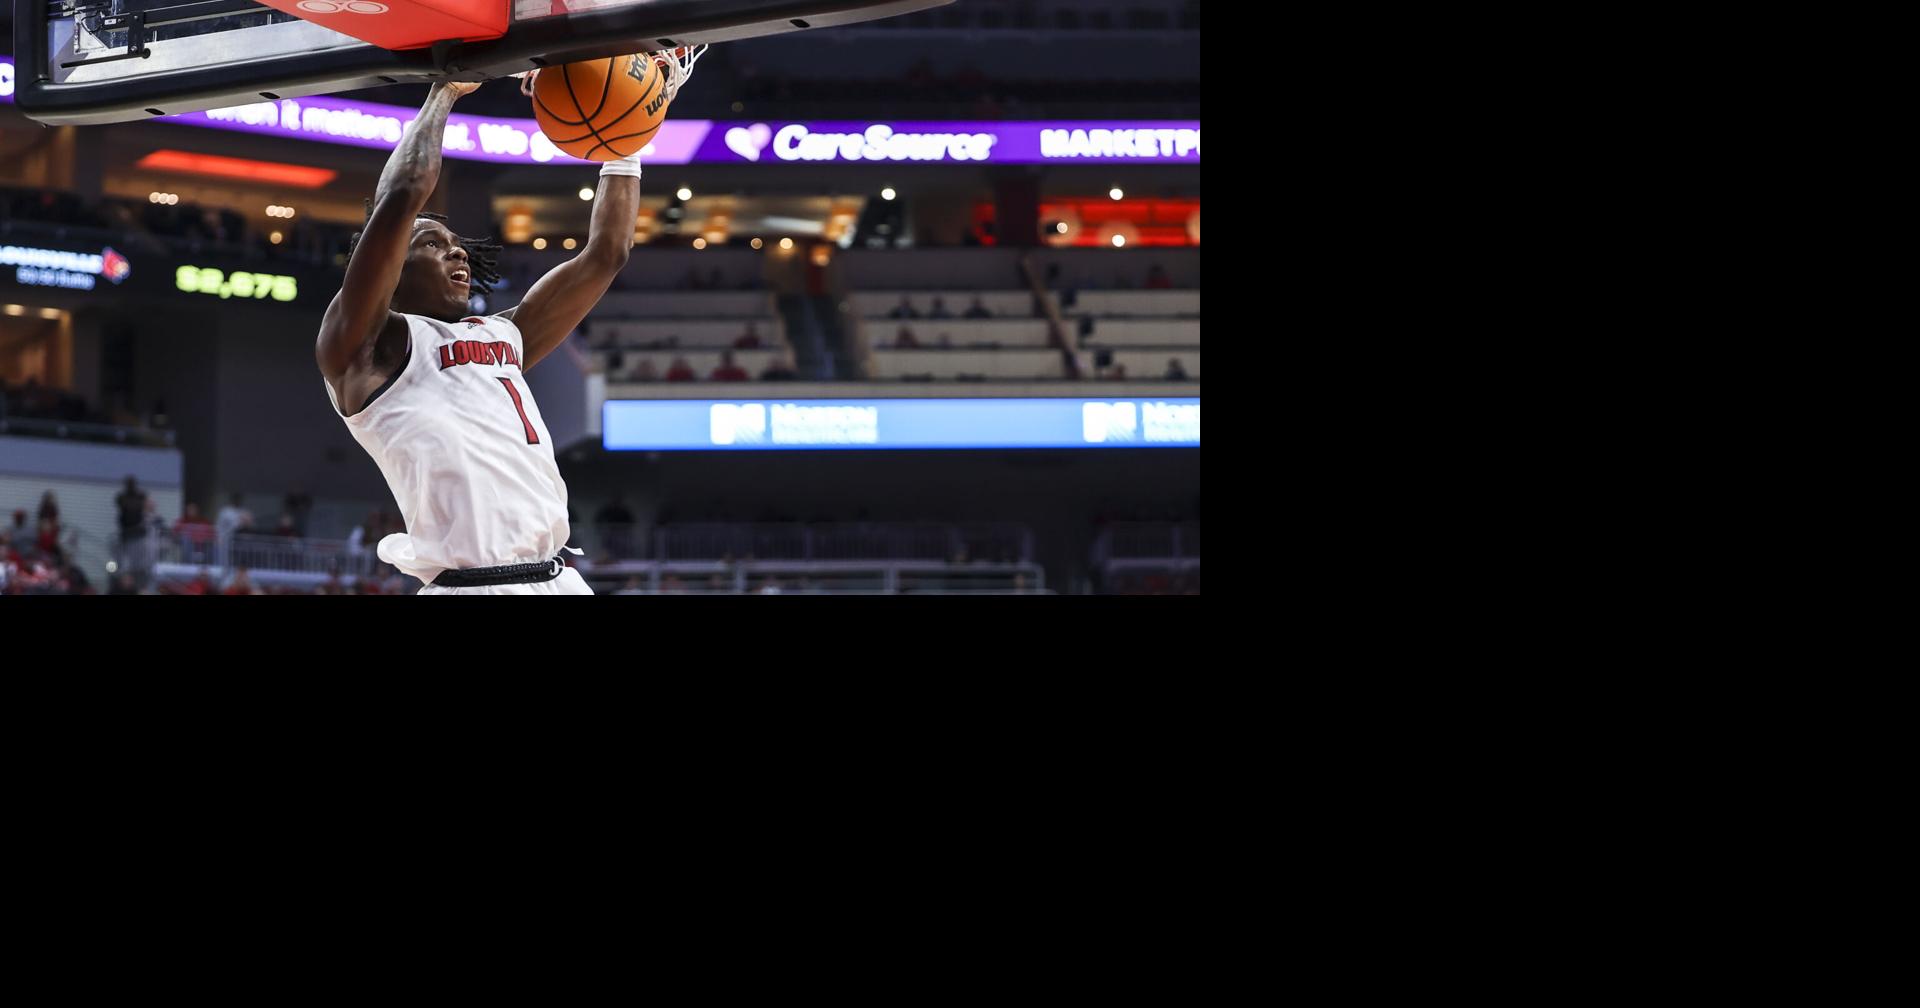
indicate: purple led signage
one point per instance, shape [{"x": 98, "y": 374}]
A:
[{"x": 684, "y": 141}]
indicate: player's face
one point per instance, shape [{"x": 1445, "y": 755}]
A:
[{"x": 435, "y": 281}]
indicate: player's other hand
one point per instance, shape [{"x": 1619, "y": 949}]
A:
[{"x": 458, "y": 88}]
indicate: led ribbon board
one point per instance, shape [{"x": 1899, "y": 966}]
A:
[{"x": 774, "y": 424}]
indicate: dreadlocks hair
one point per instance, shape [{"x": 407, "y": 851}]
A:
[{"x": 483, "y": 255}]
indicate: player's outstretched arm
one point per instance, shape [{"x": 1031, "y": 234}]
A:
[
  {"x": 358, "y": 312},
  {"x": 557, "y": 302}
]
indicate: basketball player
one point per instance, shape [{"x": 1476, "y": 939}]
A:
[{"x": 436, "y": 395}]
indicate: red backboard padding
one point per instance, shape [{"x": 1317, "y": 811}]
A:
[{"x": 403, "y": 24}]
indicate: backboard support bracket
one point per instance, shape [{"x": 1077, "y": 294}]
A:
[{"x": 94, "y": 19}]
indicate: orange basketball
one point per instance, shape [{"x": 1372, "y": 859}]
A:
[{"x": 600, "y": 110}]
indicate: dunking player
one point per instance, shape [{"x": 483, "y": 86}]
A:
[{"x": 436, "y": 396}]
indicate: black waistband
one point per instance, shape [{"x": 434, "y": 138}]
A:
[{"x": 480, "y": 577}]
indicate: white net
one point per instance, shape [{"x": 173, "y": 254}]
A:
[{"x": 677, "y": 64}]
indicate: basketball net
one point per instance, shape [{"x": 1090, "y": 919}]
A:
[{"x": 676, "y": 64}]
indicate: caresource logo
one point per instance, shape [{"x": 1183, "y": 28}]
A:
[
  {"x": 1119, "y": 143},
  {"x": 877, "y": 142},
  {"x": 38, "y": 267}
]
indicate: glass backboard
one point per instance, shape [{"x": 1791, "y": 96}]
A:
[{"x": 100, "y": 61}]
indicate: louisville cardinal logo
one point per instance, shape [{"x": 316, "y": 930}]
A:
[{"x": 114, "y": 266}]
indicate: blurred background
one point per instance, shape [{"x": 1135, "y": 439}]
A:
[{"x": 164, "y": 428}]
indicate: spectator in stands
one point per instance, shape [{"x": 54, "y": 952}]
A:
[
  {"x": 680, "y": 370},
  {"x": 728, "y": 371},
  {"x": 232, "y": 519},
  {"x": 299, "y": 504},
  {"x": 781, "y": 369},
  {"x": 332, "y": 585},
  {"x": 904, "y": 339},
  {"x": 76, "y": 581},
  {"x": 357, "y": 552},
  {"x": 1157, "y": 278},
  {"x": 49, "y": 507},
  {"x": 156, "y": 524},
  {"x": 201, "y": 585},
  {"x": 123, "y": 585},
  {"x": 615, "y": 524},
  {"x": 47, "y": 539},
  {"x": 286, "y": 528},
  {"x": 194, "y": 533},
  {"x": 644, "y": 371},
  {"x": 132, "y": 505},
  {"x": 1175, "y": 372},
  {"x": 939, "y": 309},
  {"x": 903, "y": 310},
  {"x": 748, "y": 340},
  {"x": 978, "y": 309},
  {"x": 241, "y": 584},
  {"x": 132, "y": 502},
  {"x": 20, "y": 532},
  {"x": 945, "y": 342}
]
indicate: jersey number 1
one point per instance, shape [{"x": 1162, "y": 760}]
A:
[{"x": 532, "y": 438}]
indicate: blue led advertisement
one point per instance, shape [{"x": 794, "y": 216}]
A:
[{"x": 772, "y": 424}]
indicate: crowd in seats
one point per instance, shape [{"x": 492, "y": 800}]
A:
[
  {"x": 312, "y": 242},
  {"x": 1146, "y": 332},
  {"x": 31, "y": 400},
  {"x": 36, "y": 554},
  {"x": 193, "y": 554},
  {"x": 666, "y": 350}
]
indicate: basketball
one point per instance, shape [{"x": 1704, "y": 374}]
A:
[{"x": 600, "y": 110}]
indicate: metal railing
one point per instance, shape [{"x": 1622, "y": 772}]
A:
[
  {"x": 1148, "y": 540},
  {"x": 35, "y": 427},
  {"x": 260, "y": 552},
  {"x": 815, "y": 577},
  {"x": 1001, "y": 542}
]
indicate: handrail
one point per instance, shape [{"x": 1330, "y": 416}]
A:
[{"x": 1056, "y": 327}]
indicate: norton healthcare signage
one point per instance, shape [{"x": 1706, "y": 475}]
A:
[
  {"x": 688, "y": 141},
  {"x": 44, "y": 267}
]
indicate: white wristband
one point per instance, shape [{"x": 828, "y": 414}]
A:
[{"x": 628, "y": 166}]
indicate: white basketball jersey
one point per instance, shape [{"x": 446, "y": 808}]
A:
[{"x": 462, "y": 445}]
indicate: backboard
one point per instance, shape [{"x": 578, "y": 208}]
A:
[{"x": 101, "y": 61}]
